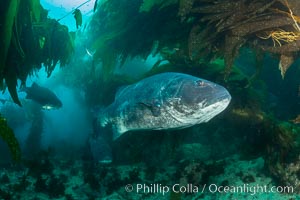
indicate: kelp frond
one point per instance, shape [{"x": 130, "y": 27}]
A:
[
  {"x": 8, "y": 136},
  {"x": 131, "y": 30},
  {"x": 28, "y": 40}
]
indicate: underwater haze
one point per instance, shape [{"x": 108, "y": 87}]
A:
[
  {"x": 150, "y": 99},
  {"x": 58, "y": 130}
]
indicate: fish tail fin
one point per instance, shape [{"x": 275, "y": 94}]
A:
[
  {"x": 118, "y": 130},
  {"x": 102, "y": 116},
  {"x": 100, "y": 143},
  {"x": 100, "y": 149},
  {"x": 103, "y": 119}
]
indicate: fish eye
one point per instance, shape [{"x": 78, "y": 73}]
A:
[{"x": 200, "y": 83}]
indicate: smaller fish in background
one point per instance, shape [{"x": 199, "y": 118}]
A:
[
  {"x": 43, "y": 96},
  {"x": 78, "y": 17}
]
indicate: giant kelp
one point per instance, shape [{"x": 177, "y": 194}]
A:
[
  {"x": 32, "y": 145},
  {"x": 198, "y": 29},
  {"x": 8, "y": 13},
  {"x": 225, "y": 26},
  {"x": 29, "y": 39},
  {"x": 8, "y": 136},
  {"x": 120, "y": 30}
]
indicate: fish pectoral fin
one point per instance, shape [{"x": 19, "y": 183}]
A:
[
  {"x": 103, "y": 120},
  {"x": 147, "y": 105},
  {"x": 155, "y": 111},
  {"x": 153, "y": 107}
]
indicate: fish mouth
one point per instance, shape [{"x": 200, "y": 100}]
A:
[
  {"x": 221, "y": 96},
  {"x": 224, "y": 95},
  {"x": 209, "y": 97}
]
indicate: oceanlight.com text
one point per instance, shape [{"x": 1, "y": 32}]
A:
[{"x": 210, "y": 188}]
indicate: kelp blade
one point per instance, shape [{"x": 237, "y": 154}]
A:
[{"x": 7, "y": 134}]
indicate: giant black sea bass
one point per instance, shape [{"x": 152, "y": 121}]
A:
[
  {"x": 164, "y": 101},
  {"x": 43, "y": 96}
]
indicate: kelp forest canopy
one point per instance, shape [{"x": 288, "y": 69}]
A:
[
  {"x": 183, "y": 32},
  {"x": 29, "y": 39},
  {"x": 188, "y": 32}
]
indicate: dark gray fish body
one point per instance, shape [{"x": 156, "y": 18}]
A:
[
  {"x": 99, "y": 144},
  {"x": 165, "y": 101},
  {"x": 43, "y": 96}
]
